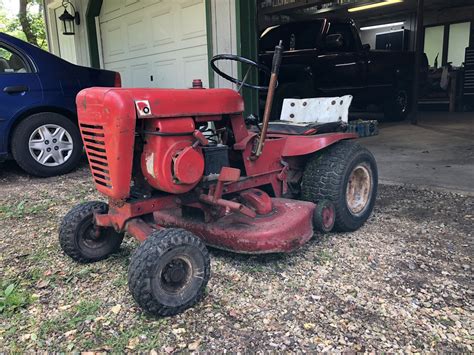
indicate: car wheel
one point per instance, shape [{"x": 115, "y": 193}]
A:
[
  {"x": 47, "y": 144},
  {"x": 398, "y": 107}
]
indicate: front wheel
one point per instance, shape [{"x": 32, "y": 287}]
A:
[
  {"x": 346, "y": 175},
  {"x": 169, "y": 272},
  {"x": 82, "y": 240}
]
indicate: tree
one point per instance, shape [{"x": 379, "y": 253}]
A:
[{"x": 28, "y": 25}]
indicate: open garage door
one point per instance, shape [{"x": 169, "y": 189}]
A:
[{"x": 155, "y": 44}]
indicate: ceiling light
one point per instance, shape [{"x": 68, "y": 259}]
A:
[
  {"x": 375, "y": 5},
  {"x": 380, "y": 26}
]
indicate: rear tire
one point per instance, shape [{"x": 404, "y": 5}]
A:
[
  {"x": 77, "y": 235},
  {"x": 345, "y": 174},
  {"x": 169, "y": 272},
  {"x": 30, "y": 150}
]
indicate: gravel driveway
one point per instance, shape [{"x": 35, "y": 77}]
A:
[{"x": 402, "y": 282}]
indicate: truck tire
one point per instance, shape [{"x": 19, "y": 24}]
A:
[
  {"x": 398, "y": 107},
  {"x": 46, "y": 144},
  {"x": 78, "y": 237},
  {"x": 346, "y": 175},
  {"x": 169, "y": 272}
]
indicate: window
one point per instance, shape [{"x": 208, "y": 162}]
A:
[
  {"x": 447, "y": 43},
  {"x": 458, "y": 41},
  {"x": 348, "y": 42},
  {"x": 434, "y": 37},
  {"x": 295, "y": 36},
  {"x": 11, "y": 62}
]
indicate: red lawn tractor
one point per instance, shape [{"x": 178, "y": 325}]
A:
[{"x": 183, "y": 169}]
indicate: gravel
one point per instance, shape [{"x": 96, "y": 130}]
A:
[{"x": 403, "y": 282}]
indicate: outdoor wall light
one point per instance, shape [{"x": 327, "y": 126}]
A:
[{"x": 69, "y": 20}]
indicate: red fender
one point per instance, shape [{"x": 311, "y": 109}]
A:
[{"x": 302, "y": 145}]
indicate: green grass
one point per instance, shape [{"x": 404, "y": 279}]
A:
[
  {"x": 323, "y": 257},
  {"x": 12, "y": 298},
  {"x": 23, "y": 208}
]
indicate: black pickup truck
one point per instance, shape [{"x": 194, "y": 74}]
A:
[{"x": 325, "y": 57}]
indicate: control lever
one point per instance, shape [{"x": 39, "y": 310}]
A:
[{"x": 268, "y": 104}]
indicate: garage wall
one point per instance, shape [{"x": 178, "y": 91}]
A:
[
  {"x": 72, "y": 48},
  {"x": 155, "y": 43},
  {"x": 224, "y": 38}
]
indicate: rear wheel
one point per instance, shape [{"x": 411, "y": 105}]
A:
[
  {"x": 47, "y": 144},
  {"x": 346, "y": 175},
  {"x": 169, "y": 272},
  {"x": 397, "y": 107}
]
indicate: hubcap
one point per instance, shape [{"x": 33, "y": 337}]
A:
[
  {"x": 359, "y": 189},
  {"x": 176, "y": 274},
  {"x": 50, "y": 145}
]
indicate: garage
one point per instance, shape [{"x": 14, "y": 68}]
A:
[
  {"x": 431, "y": 144},
  {"x": 162, "y": 44}
]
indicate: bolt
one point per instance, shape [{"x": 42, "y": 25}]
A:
[
  {"x": 48, "y": 150},
  {"x": 56, "y": 148},
  {"x": 55, "y": 140},
  {"x": 46, "y": 142}
]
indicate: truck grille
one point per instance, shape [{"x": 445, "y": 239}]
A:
[{"x": 94, "y": 142}]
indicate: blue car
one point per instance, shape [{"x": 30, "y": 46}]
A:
[{"x": 38, "y": 121}]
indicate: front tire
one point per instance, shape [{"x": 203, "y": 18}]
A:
[
  {"x": 47, "y": 144},
  {"x": 79, "y": 238},
  {"x": 169, "y": 272},
  {"x": 345, "y": 174}
]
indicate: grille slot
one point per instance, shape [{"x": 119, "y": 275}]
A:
[{"x": 94, "y": 142}]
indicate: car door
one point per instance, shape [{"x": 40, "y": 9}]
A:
[
  {"x": 341, "y": 69},
  {"x": 20, "y": 88}
]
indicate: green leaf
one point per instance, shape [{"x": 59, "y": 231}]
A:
[{"x": 9, "y": 290}]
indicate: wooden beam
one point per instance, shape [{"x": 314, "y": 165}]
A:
[{"x": 418, "y": 55}]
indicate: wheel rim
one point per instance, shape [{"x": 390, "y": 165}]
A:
[
  {"x": 359, "y": 189},
  {"x": 91, "y": 237},
  {"x": 402, "y": 101},
  {"x": 176, "y": 274},
  {"x": 50, "y": 145},
  {"x": 328, "y": 217}
]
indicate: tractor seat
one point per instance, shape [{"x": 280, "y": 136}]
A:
[
  {"x": 312, "y": 116},
  {"x": 307, "y": 129}
]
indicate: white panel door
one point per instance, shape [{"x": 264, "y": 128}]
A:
[{"x": 155, "y": 43}]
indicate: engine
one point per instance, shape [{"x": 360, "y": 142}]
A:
[
  {"x": 161, "y": 132},
  {"x": 171, "y": 160}
]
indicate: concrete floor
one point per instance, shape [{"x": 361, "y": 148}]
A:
[{"x": 438, "y": 152}]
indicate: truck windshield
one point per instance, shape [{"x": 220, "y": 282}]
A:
[{"x": 303, "y": 35}]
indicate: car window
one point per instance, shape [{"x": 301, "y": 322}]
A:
[
  {"x": 348, "y": 42},
  {"x": 295, "y": 36},
  {"x": 11, "y": 63}
]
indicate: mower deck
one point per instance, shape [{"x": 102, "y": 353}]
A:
[{"x": 284, "y": 229}]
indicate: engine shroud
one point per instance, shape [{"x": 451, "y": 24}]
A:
[{"x": 169, "y": 160}]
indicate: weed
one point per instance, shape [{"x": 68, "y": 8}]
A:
[
  {"x": 22, "y": 209},
  {"x": 323, "y": 257},
  {"x": 12, "y": 298}
]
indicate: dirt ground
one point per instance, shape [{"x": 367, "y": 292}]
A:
[{"x": 401, "y": 283}]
